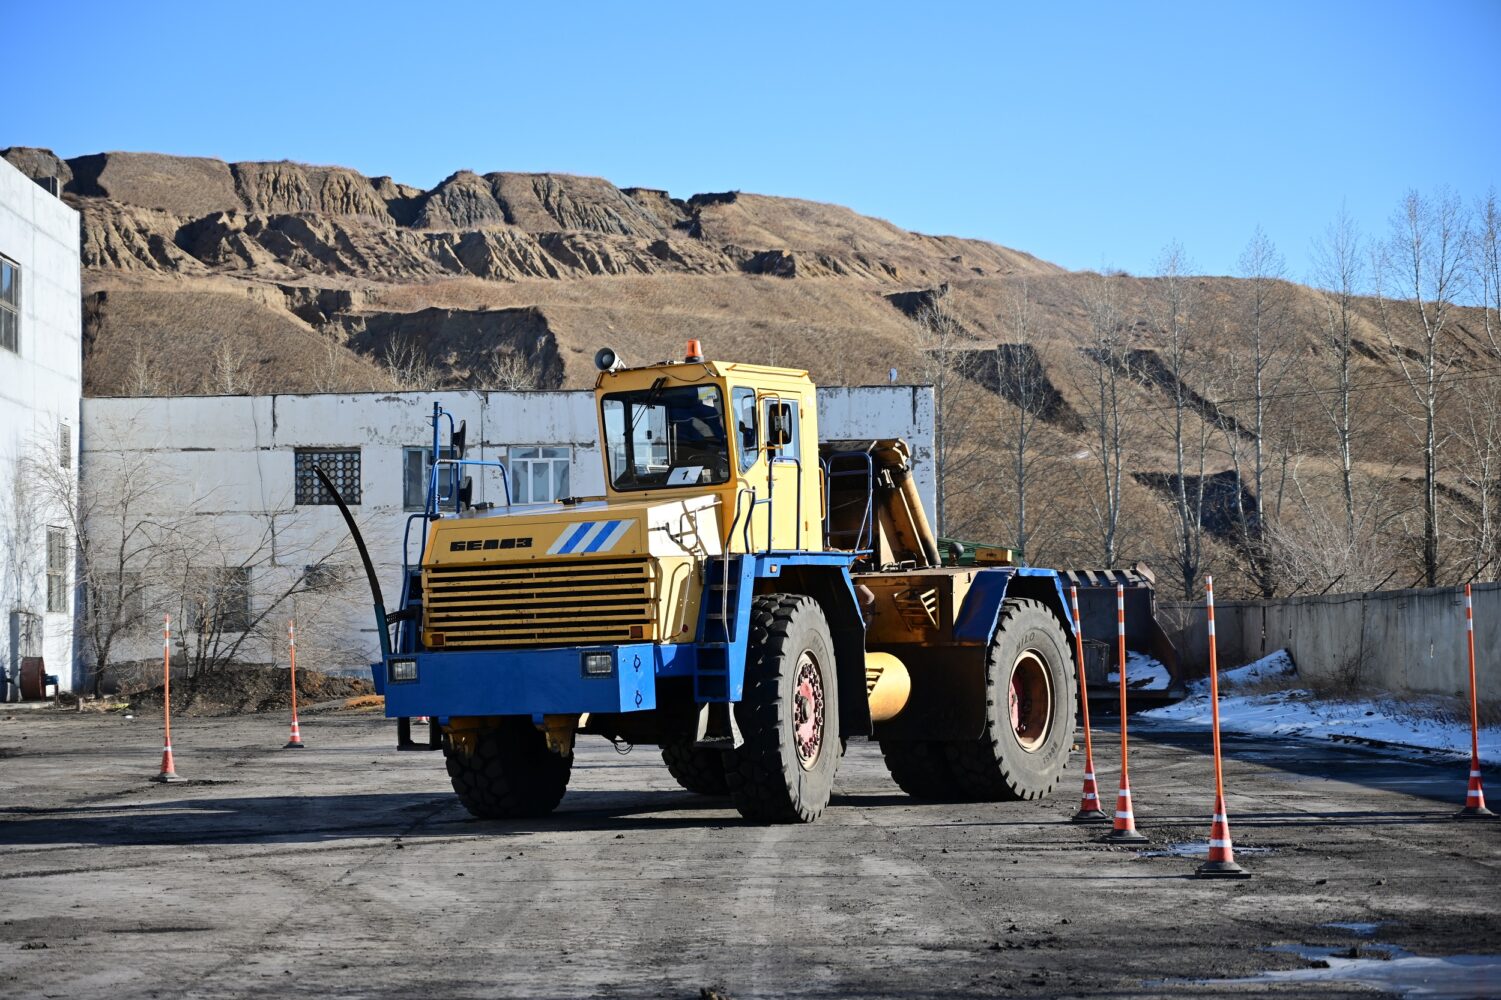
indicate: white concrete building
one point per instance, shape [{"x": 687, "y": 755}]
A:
[
  {"x": 242, "y": 465},
  {"x": 41, "y": 384}
]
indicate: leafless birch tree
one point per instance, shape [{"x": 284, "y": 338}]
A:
[
  {"x": 1255, "y": 375},
  {"x": 962, "y": 459},
  {"x": 1339, "y": 273},
  {"x": 1021, "y": 382},
  {"x": 1189, "y": 433},
  {"x": 1422, "y": 273},
  {"x": 1105, "y": 394}
]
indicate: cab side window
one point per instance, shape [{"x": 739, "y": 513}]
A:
[
  {"x": 743, "y": 401},
  {"x": 781, "y": 428}
]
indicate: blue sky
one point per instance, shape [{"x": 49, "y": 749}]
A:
[{"x": 1089, "y": 134}]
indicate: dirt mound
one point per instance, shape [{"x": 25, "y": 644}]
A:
[{"x": 234, "y": 690}]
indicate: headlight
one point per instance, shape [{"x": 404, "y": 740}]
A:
[
  {"x": 401, "y": 670},
  {"x": 598, "y": 664}
]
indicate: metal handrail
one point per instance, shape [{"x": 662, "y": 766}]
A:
[{"x": 866, "y": 533}]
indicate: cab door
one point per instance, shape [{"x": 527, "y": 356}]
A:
[
  {"x": 750, "y": 524},
  {"x": 786, "y": 469}
]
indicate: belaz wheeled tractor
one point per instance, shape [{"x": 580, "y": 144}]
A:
[{"x": 739, "y": 597}]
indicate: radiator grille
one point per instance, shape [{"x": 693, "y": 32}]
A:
[{"x": 570, "y": 603}]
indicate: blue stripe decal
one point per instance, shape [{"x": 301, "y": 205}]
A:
[
  {"x": 576, "y": 537},
  {"x": 601, "y": 538}
]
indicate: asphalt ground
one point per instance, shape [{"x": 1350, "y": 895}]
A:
[{"x": 349, "y": 869}]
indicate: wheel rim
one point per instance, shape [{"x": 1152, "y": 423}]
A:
[
  {"x": 807, "y": 710},
  {"x": 1031, "y": 700}
]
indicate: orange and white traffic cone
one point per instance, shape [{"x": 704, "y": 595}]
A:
[
  {"x": 168, "y": 771},
  {"x": 295, "y": 743},
  {"x": 1475, "y": 796},
  {"x": 1124, "y": 831},
  {"x": 1089, "y": 801},
  {"x": 1221, "y": 863}
]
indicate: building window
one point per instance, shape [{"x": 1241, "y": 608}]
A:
[
  {"x": 218, "y": 599},
  {"x": 10, "y": 305},
  {"x": 416, "y": 464},
  {"x": 57, "y": 569},
  {"x": 539, "y": 475},
  {"x": 342, "y": 466},
  {"x": 64, "y": 445},
  {"x": 322, "y": 577}
]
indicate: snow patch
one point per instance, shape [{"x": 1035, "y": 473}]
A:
[
  {"x": 1299, "y": 712},
  {"x": 1142, "y": 673}
]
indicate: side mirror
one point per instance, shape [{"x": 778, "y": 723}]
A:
[
  {"x": 779, "y": 425},
  {"x": 466, "y": 492},
  {"x": 456, "y": 441}
]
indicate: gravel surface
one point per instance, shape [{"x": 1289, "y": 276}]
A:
[{"x": 348, "y": 869}]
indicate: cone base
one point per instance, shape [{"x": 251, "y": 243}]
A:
[
  {"x": 1125, "y": 837},
  {"x": 1220, "y": 869},
  {"x": 1089, "y": 816},
  {"x": 1474, "y": 812},
  {"x": 294, "y": 745},
  {"x": 165, "y": 777}
]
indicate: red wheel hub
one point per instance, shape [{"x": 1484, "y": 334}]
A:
[
  {"x": 807, "y": 710},
  {"x": 1031, "y": 700}
]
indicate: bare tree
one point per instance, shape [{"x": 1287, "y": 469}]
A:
[
  {"x": 1339, "y": 273},
  {"x": 146, "y": 376},
  {"x": 23, "y": 525},
  {"x": 1485, "y": 257},
  {"x": 409, "y": 366},
  {"x": 235, "y": 590},
  {"x": 126, "y": 540},
  {"x": 1313, "y": 549},
  {"x": 1476, "y": 427},
  {"x": 1176, "y": 323},
  {"x": 233, "y": 373},
  {"x": 1477, "y": 466},
  {"x": 1105, "y": 398},
  {"x": 1258, "y": 363},
  {"x": 1022, "y": 382},
  {"x": 327, "y": 376},
  {"x": 962, "y": 461},
  {"x": 507, "y": 371},
  {"x": 1425, "y": 266}
]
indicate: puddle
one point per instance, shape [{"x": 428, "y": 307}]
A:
[
  {"x": 1354, "y": 927},
  {"x": 1199, "y": 849},
  {"x": 1391, "y": 970}
]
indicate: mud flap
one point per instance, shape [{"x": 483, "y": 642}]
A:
[{"x": 717, "y": 728}]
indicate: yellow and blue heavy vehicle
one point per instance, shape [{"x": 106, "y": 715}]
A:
[{"x": 740, "y": 597}]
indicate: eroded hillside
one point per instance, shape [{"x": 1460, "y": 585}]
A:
[{"x": 206, "y": 277}]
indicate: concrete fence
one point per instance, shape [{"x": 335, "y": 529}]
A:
[{"x": 1394, "y": 640}]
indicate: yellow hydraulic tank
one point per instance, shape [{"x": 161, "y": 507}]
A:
[{"x": 887, "y": 685}]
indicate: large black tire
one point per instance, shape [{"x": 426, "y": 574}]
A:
[
  {"x": 1023, "y": 751},
  {"x": 789, "y": 716},
  {"x": 510, "y": 775},
  {"x": 921, "y": 769},
  {"x": 696, "y": 769}
]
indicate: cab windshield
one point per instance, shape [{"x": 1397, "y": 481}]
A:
[{"x": 666, "y": 436}]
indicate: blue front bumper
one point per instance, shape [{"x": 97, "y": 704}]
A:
[{"x": 531, "y": 681}]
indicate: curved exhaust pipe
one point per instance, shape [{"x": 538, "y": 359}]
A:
[{"x": 382, "y": 623}]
